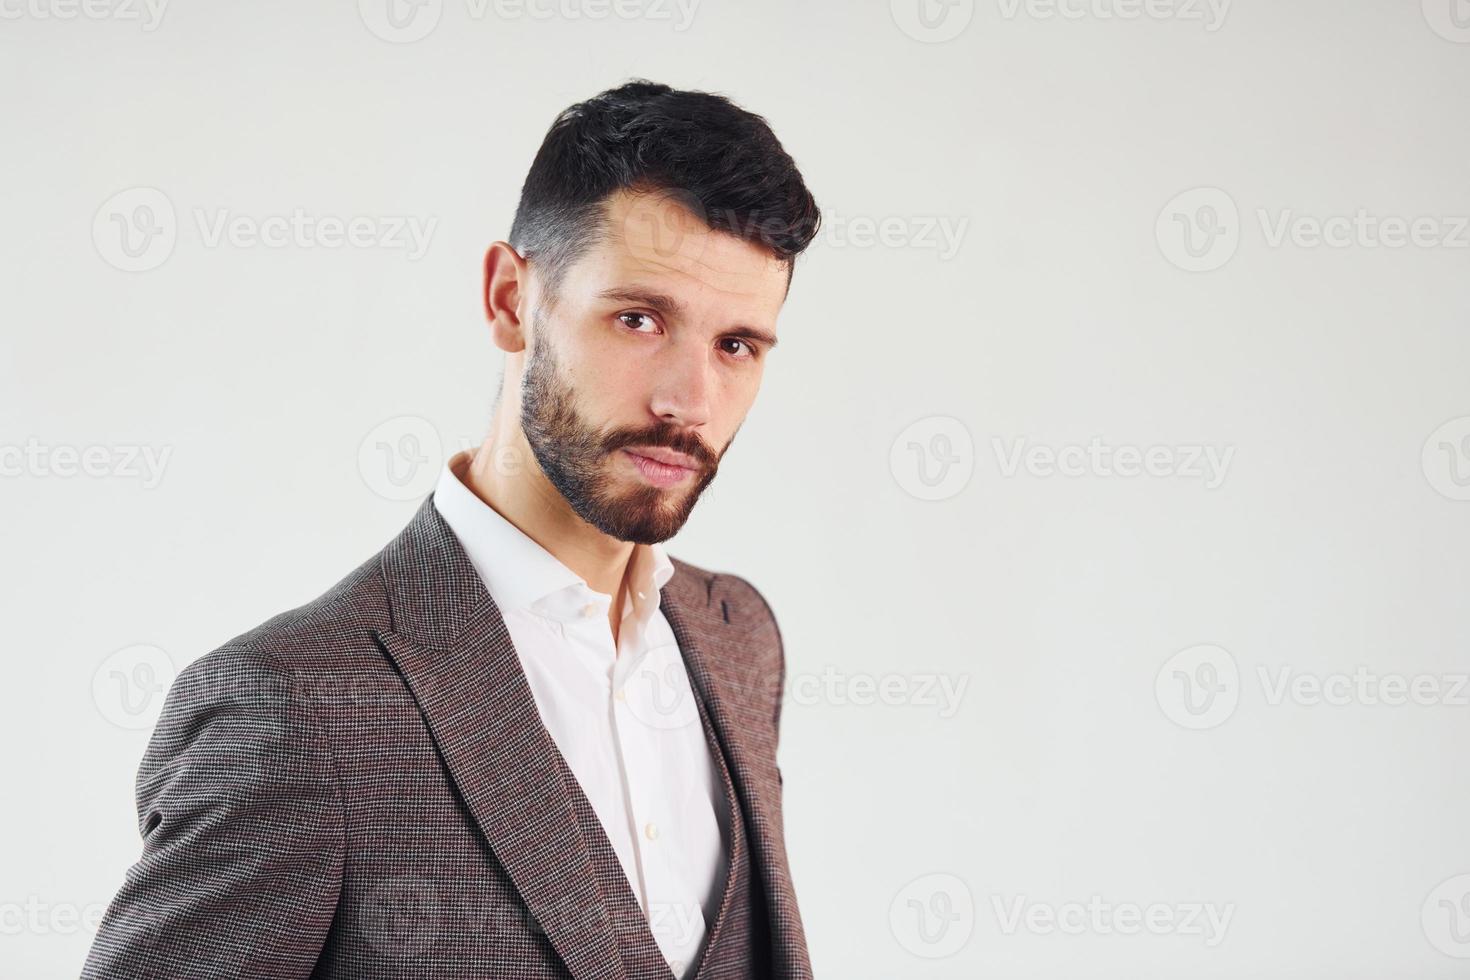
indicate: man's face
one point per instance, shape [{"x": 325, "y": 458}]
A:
[{"x": 655, "y": 344}]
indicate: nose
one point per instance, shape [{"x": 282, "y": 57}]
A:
[{"x": 683, "y": 384}]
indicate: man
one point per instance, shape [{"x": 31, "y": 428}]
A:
[{"x": 522, "y": 741}]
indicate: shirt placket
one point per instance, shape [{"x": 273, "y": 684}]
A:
[{"x": 671, "y": 915}]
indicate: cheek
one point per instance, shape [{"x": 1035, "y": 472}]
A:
[
  {"x": 736, "y": 403},
  {"x": 609, "y": 383},
  {"x": 619, "y": 382},
  {"x": 742, "y": 388}
]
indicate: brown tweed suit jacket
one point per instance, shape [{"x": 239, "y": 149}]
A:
[{"x": 363, "y": 787}]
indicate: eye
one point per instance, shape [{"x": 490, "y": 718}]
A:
[
  {"x": 751, "y": 351},
  {"x": 635, "y": 317}
]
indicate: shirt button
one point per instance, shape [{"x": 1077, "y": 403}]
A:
[
  {"x": 589, "y": 609},
  {"x": 621, "y": 694},
  {"x": 650, "y": 830}
]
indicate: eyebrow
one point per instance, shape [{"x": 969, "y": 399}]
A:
[{"x": 671, "y": 308}]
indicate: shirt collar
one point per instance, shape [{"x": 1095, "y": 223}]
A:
[{"x": 520, "y": 574}]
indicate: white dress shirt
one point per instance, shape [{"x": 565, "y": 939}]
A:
[{"x": 624, "y": 718}]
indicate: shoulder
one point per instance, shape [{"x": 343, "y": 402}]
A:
[
  {"x": 733, "y": 603},
  {"x": 332, "y": 633},
  {"x": 747, "y": 594},
  {"x": 715, "y": 587},
  {"x": 751, "y": 639}
]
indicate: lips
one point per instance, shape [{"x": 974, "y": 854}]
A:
[
  {"x": 666, "y": 456},
  {"x": 657, "y": 473}
]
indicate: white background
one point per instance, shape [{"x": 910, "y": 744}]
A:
[{"x": 1068, "y": 772}]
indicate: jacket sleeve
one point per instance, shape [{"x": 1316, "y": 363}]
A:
[{"x": 241, "y": 819}]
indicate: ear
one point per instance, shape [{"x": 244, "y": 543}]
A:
[{"x": 504, "y": 287}]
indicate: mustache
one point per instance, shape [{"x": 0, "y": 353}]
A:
[{"x": 664, "y": 437}]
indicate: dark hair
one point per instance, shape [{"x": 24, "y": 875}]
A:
[{"x": 719, "y": 160}]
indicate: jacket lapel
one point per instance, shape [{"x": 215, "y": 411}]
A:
[
  {"x": 451, "y": 645},
  {"x": 727, "y": 683}
]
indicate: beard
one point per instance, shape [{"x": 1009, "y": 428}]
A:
[{"x": 578, "y": 459}]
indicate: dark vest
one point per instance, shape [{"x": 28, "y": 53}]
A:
[{"x": 737, "y": 943}]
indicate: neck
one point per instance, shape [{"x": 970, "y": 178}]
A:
[{"x": 504, "y": 474}]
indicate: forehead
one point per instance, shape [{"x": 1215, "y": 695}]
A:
[{"x": 653, "y": 240}]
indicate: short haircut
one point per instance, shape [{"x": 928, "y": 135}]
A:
[{"x": 717, "y": 159}]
